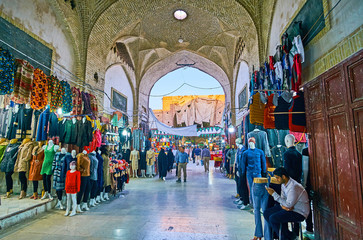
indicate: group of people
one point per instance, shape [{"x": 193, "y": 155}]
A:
[
  {"x": 181, "y": 157},
  {"x": 279, "y": 194}
]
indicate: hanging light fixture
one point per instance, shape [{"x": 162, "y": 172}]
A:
[{"x": 180, "y": 14}]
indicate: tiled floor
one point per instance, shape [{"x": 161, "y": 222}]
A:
[{"x": 201, "y": 208}]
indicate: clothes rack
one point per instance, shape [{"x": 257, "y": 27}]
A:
[{"x": 281, "y": 113}]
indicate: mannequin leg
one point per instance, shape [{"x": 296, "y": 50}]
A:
[
  {"x": 68, "y": 204},
  {"x": 74, "y": 204},
  {"x": 24, "y": 184},
  {"x": 93, "y": 193},
  {"x": 59, "y": 196},
  {"x": 107, "y": 190},
  {"x": 86, "y": 194},
  {"x": 143, "y": 173},
  {"x": 81, "y": 193},
  {"x": 9, "y": 183},
  {"x": 35, "y": 190}
]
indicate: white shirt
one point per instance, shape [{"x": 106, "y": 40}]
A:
[{"x": 293, "y": 195}]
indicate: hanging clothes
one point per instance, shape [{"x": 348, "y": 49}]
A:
[
  {"x": 58, "y": 179},
  {"x": 35, "y": 121},
  {"x": 4, "y": 118},
  {"x": 53, "y": 125},
  {"x": 257, "y": 109},
  {"x": 286, "y": 43},
  {"x": 67, "y": 104},
  {"x": 9, "y": 158},
  {"x": 279, "y": 75},
  {"x": 269, "y": 119},
  {"x": 24, "y": 120},
  {"x": 68, "y": 132},
  {"x": 297, "y": 48},
  {"x": 36, "y": 164},
  {"x": 297, "y": 122},
  {"x": 57, "y": 91},
  {"x": 86, "y": 103},
  {"x": 39, "y": 94},
  {"x": 94, "y": 105},
  {"x": 23, "y": 81},
  {"x": 43, "y": 125},
  {"x": 296, "y": 73},
  {"x": 7, "y": 72},
  {"x": 286, "y": 85},
  {"x": 283, "y": 106},
  {"x": 84, "y": 133},
  {"x": 77, "y": 101},
  {"x": 13, "y": 124}
]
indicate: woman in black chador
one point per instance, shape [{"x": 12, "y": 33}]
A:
[
  {"x": 170, "y": 157},
  {"x": 163, "y": 164}
]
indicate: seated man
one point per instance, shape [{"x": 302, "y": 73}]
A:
[{"x": 294, "y": 204}]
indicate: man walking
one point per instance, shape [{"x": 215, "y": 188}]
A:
[
  {"x": 182, "y": 159},
  {"x": 206, "y": 158},
  {"x": 197, "y": 153}
]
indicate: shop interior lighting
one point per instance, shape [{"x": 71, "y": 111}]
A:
[
  {"x": 180, "y": 14},
  {"x": 231, "y": 129},
  {"x": 59, "y": 111},
  {"x": 124, "y": 132}
]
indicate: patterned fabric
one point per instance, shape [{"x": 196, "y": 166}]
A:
[
  {"x": 7, "y": 71},
  {"x": 77, "y": 101},
  {"x": 23, "y": 81},
  {"x": 58, "y": 180},
  {"x": 57, "y": 91},
  {"x": 86, "y": 103},
  {"x": 94, "y": 105},
  {"x": 39, "y": 97},
  {"x": 67, "y": 97}
]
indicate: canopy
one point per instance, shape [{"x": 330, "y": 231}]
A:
[{"x": 190, "y": 131}]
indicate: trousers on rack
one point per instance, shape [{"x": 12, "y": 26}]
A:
[
  {"x": 260, "y": 198},
  {"x": 83, "y": 194}
]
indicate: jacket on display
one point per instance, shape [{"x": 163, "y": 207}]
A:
[
  {"x": 297, "y": 122},
  {"x": 24, "y": 156},
  {"x": 277, "y": 154},
  {"x": 66, "y": 162},
  {"x": 261, "y": 141},
  {"x": 254, "y": 162},
  {"x": 73, "y": 182},
  {"x": 36, "y": 164},
  {"x": 13, "y": 124},
  {"x": 4, "y": 118},
  {"x": 23, "y": 81},
  {"x": 43, "y": 125},
  {"x": 24, "y": 120},
  {"x": 282, "y": 120},
  {"x": 93, "y": 166},
  {"x": 39, "y": 95},
  {"x": 9, "y": 158},
  {"x": 77, "y": 101},
  {"x": 269, "y": 119},
  {"x": 53, "y": 126},
  {"x": 257, "y": 109},
  {"x": 293, "y": 163},
  {"x": 56, "y": 91},
  {"x": 83, "y": 165},
  {"x": 8, "y": 68},
  {"x": 35, "y": 121},
  {"x": 84, "y": 134},
  {"x": 67, "y": 104},
  {"x": 99, "y": 171},
  {"x": 58, "y": 179}
]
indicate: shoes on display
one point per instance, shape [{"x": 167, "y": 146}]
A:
[
  {"x": 67, "y": 212},
  {"x": 34, "y": 196},
  {"x": 91, "y": 203},
  {"x": 164, "y": 179},
  {"x": 85, "y": 207},
  {"x": 243, "y": 207},
  {"x": 50, "y": 196},
  {"x": 98, "y": 199},
  {"x": 178, "y": 180},
  {"x": 237, "y": 202},
  {"x": 72, "y": 214},
  {"x": 22, "y": 195},
  {"x": 44, "y": 196},
  {"x": 79, "y": 210},
  {"x": 106, "y": 197},
  {"x": 102, "y": 197}
]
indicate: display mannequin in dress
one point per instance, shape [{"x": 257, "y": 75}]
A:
[
  {"x": 83, "y": 165},
  {"x": 49, "y": 152},
  {"x": 72, "y": 187},
  {"x": 135, "y": 156}
]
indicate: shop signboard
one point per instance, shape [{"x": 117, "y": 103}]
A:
[{"x": 118, "y": 101}]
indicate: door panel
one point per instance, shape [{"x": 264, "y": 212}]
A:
[
  {"x": 355, "y": 72},
  {"x": 314, "y": 101},
  {"x": 335, "y": 90}
]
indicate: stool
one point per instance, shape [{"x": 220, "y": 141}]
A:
[{"x": 300, "y": 231}]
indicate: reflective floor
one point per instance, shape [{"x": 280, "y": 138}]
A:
[{"x": 201, "y": 208}]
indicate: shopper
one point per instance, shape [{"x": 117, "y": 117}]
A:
[
  {"x": 182, "y": 161},
  {"x": 206, "y": 158},
  {"x": 197, "y": 154},
  {"x": 170, "y": 157},
  {"x": 163, "y": 164},
  {"x": 294, "y": 204}
]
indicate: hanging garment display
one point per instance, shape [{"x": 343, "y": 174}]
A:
[
  {"x": 36, "y": 164},
  {"x": 43, "y": 125},
  {"x": 35, "y": 121},
  {"x": 9, "y": 158},
  {"x": 56, "y": 91},
  {"x": 68, "y": 132},
  {"x": 297, "y": 48},
  {"x": 257, "y": 109},
  {"x": 58, "y": 178},
  {"x": 277, "y": 154},
  {"x": 94, "y": 106},
  {"x": 297, "y": 121},
  {"x": 84, "y": 133},
  {"x": 24, "y": 120},
  {"x": 67, "y": 104},
  {"x": 283, "y": 106},
  {"x": 39, "y": 94},
  {"x": 7, "y": 72},
  {"x": 296, "y": 73},
  {"x": 23, "y": 81},
  {"x": 276, "y": 137},
  {"x": 86, "y": 103},
  {"x": 269, "y": 119},
  {"x": 4, "y": 118},
  {"x": 77, "y": 101},
  {"x": 286, "y": 43},
  {"x": 53, "y": 125},
  {"x": 261, "y": 141},
  {"x": 13, "y": 123},
  {"x": 136, "y": 136}
]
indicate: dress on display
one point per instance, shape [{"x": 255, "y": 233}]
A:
[
  {"x": 135, "y": 160},
  {"x": 48, "y": 160}
]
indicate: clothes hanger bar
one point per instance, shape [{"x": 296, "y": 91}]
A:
[
  {"x": 281, "y": 113},
  {"x": 269, "y": 90}
]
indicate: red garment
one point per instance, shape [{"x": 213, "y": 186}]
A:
[
  {"x": 98, "y": 138},
  {"x": 92, "y": 146},
  {"x": 77, "y": 101},
  {"x": 94, "y": 105},
  {"x": 272, "y": 65},
  {"x": 269, "y": 119},
  {"x": 296, "y": 73},
  {"x": 299, "y": 137},
  {"x": 73, "y": 182}
]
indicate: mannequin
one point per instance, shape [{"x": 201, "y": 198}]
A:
[
  {"x": 83, "y": 165},
  {"x": 72, "y": 187},
  {"x": 261, "y": 141},
  {"x": 49, "y": 153},
  {"x": 35, "y": 168},
  {"x": 231, "y": 156},
  {"x": 242, "y": 189},
  {"x": 7, "y": 164},
  {"x": 93, "y": 177},
  {"x": 253, "y": 164},
  {"x": 21, "y": 164},
  {"x": 143, "y": 162},
  {"x": 106, "y": 173},
  {"x": 150, "y": 160},
  {"x": 99, "y": 177},
  {"x": 58, "y": 178},
  {"x": 292, "y": 159},
  {"x": 135, "y": 157}
]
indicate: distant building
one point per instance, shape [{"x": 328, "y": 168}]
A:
[{"x": 203, "y": 110}]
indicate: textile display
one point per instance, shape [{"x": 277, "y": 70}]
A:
[
  {"x": 39, "y": 98},
  {"x": 23, "y": 81},
  {"x": 7, "y": 72}
]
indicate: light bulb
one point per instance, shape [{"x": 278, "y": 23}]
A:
[
  {"x": 59, "y": 111},
  {"x": 231, "y": 129},
  {"x": 180, "y": 40}
]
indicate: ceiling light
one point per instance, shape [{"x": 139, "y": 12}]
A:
[
  {"x": 180, "y": 14},
  {"x": 231, "y": 129},
  {"x": 180, "y": 40}
]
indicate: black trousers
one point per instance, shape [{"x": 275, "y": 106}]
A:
[
  {"x": 243, "y": 189},
  {"x": 23, "y": 181},
  {"x": 94, "y": 188},
  {"x": 59, "y": 194},
  {"x": 47, "y": 183},
  {"x": 9, "y": 181},
  {"x": 35, "y": 186},
  {"x": 108, "y": 189},
  {"x": 83, "y": 194}
]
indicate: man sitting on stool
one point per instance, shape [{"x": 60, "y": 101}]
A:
[{"x": 294, "y": 204}]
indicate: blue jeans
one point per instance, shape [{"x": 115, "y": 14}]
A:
[
  {"x": 260, "y": 199},
  {"x": 250, "y": 177},
  {"x": 276, "y": 216}
]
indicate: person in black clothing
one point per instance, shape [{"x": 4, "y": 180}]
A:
[
  {"x": 163, "y": 164},
  {"x": 170, "y": 157}
]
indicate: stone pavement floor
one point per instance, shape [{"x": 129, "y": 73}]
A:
[{"x": 151, "y": 209}]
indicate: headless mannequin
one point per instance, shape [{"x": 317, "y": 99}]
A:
[
  {"x": 23, "y": 180},
  {"x": 93, "y": 202},
  {"x": 59, "y": 203},
  {"x": 47, "y": 177},
  {"x": 72, "y": 197},
  {"x": 135, "y": 157},
  {"x": 143, "y": 170},
  {"x": 9, "y": 175},
  {"x": 84, "y": 205}
]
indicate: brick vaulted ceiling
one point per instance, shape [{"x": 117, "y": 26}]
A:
[{"x": 150, "y": 33}]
